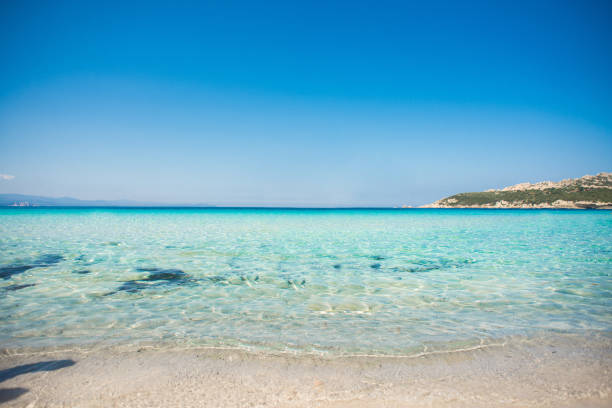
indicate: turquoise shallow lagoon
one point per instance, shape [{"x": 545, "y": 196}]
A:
[{"x": 336, "y": 281}]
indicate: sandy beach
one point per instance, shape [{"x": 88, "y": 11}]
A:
[{"x": 564, "y": 373}]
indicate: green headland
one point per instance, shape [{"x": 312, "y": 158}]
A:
[{"x": 584, "y": 192}]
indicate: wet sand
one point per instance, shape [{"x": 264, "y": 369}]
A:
[{"x": 522, "y": 374}]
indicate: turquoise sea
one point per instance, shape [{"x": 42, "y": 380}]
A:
[{"x": 335, "y": 281}]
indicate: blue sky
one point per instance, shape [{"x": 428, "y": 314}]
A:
[{"x": 311, "y": 104}]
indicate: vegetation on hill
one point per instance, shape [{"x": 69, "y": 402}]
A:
[
  {"x": 548, "y": 196},
  {"x": 585, "y": 192}
]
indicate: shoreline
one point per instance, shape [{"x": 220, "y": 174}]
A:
[
  {"x": 511, "y": 207},
  {"x": 564, "y": 372},
  {"x": 448, "y": 346}
]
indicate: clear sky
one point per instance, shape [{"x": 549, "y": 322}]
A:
[{"x": 301, "y": 103}]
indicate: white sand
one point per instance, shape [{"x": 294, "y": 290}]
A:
[{"x": 542, "y": 375}]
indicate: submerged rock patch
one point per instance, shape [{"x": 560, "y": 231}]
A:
[
  {"x": 12, "y": 288},
  {"x": 165, "y": 275},
  {"x": 432, "y": 265},
  {"x": 423, "y": 268},
  {"x": 157, "y": 278},
  {"x": 49, "y": 259},
  {"x": 131, "y": 287},
  {"x": 8, "y": 271}
]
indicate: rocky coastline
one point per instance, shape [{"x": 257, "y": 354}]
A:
[{"x": 587, "y": 192}]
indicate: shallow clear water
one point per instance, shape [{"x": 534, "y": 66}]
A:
[{"x": 356, "y": 281}]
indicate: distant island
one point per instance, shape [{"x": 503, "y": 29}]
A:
[
  {"x": 584, "y": 192},
  {"x": 23, "y": 200}
]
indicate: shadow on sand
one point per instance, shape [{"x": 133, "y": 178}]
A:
[{"x": 8, "y": 394}]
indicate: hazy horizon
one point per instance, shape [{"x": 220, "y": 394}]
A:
[
  {"x": 318, "y": 104},
  {"x": 115, "y": 201}
]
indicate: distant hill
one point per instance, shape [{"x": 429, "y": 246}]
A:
[
  {"x": 583, "y": 192},
  {"x": 22, "y": 200}
]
